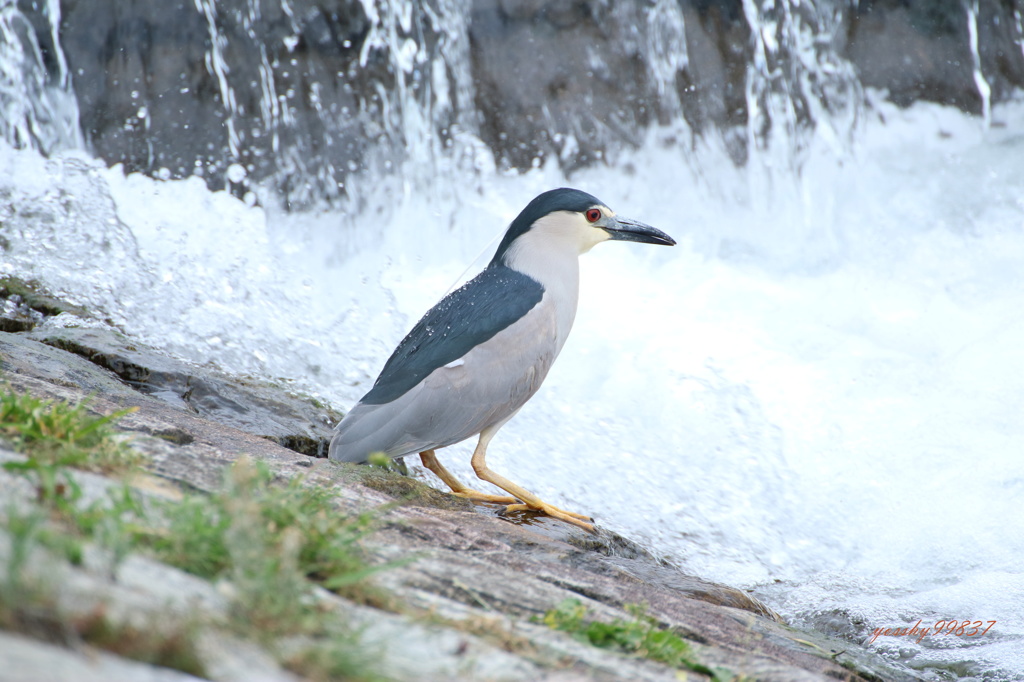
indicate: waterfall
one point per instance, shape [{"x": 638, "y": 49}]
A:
[
  {"x": 293, "y": 106},
  {"x": 290, "y": 104},
  {"x": 38, "y": 109}
]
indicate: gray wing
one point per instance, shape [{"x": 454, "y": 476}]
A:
[
  {"x": 462, "y": 320},
  {"x": 458, "y": 400}
]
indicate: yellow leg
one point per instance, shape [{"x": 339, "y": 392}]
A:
[
  {"x": 429, "y": 460},
  {"x": 530, "y": 500}
]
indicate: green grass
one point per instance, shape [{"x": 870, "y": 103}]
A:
[
  {"x": 639, "y": 636},
  {"x": 56, "y": 439},
  {"x": 269, "y": 543},
  {"x": 272, "y": 541},
  {"x": 201, "y": 529},
  {"x": 57, "y": 436}
]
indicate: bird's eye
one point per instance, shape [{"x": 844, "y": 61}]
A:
[{"x": 593, "y": 214}]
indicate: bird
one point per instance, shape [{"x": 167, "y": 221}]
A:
[{"x": 475, "y": 358}]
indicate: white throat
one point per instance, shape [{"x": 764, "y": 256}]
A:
[{"x": 549, "y": 253}]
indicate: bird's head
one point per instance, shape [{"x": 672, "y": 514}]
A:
[{"x": 568, "y": 219}]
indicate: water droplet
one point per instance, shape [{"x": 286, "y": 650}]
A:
[{"x": 236, "y": 173}]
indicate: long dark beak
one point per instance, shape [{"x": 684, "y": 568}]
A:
[{"x": 628, "y": 230}]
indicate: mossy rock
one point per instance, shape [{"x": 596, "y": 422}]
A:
[
  {"x": 36, "y": 297},
  {"x": 406, "y": 489}
]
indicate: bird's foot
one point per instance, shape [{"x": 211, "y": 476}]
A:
[
  {"x": 547, "y": 508},
  {"x": 477, "y": 496},
  {"x": 554, "y": 512}
]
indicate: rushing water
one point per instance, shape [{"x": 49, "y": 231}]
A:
[{"x": 817, "y": 395}]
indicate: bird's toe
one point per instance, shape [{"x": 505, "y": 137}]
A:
[
  {"x": 477, "y": 496},
  {"x": 551, "y": 510}
]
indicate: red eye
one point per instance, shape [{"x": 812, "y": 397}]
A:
[{"x": 593, "y": 214}]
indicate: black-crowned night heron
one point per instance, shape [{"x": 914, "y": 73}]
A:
[{"x": 477, "y": 356}]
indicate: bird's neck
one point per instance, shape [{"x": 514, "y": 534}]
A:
[{"x": 553, "y": 262}]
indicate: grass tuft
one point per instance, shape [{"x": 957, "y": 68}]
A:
[
  {"x": 56, "y": 435},
  {"x": 202, "y": 532},
  {"x": 641, "y": 636}
]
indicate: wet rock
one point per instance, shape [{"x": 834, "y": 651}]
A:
[
  {"x": 29, "y": 660},
  {"x": 286, "y": 92},
  {"x": 17, "y": 316},
  {"x": 435, "y": 653},
  {"x": 183, "y": 447},
  {"x": 559, "y": 78},
  {"x": 712, "y": 86},
  {"x": 23, "y": 305},
  {"x": 298, "y": 424},
  {"x": 579, "y": 81},
  {"x": 21, "y": 356},
  {"x": 922, "y": 50}
]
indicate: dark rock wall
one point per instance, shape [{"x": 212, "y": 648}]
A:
[
  {"x": 284, "y": 90},
  {"x": 922, "y": 50},
  {"x": 712, "y": 87},
  {"x": 305, "y": 93},
  {"x": 559, "y": 77}
]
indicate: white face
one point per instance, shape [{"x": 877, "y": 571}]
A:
[
  {"x": 568, "y": 229},
  {"x": 549, "y": 252},
  {"x": 552, "y": 246}
]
